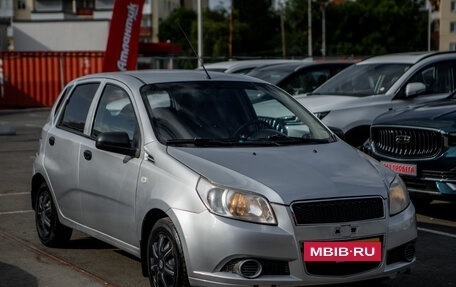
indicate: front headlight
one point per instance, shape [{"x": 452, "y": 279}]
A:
[
  {"x": 398, "y": 196},
  {"x": 237, "y": 204}
]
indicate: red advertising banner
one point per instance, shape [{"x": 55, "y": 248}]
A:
[{"x": 122, "y": 46}]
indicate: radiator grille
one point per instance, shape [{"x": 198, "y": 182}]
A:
[
  {"x": 332, "y": 211},
  {"x": 407, "y": 143}
]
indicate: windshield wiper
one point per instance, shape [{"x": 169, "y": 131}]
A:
[
  {"x": 295, "y": 140},
  {"x": 269, "y": 141},
  {"x": 201, "y": 142},
  {"x": 205, "y": 142},
  {"x": 285, "y": 140}
]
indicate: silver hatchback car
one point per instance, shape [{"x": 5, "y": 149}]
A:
[{"x": 216, "y": 181}]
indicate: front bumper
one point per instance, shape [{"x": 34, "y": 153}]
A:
[{"x": 211, "y": 243}]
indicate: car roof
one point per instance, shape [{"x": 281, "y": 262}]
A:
[
  {"x": 400, "y": 58},
  {"x": 292, "y": 66},
  {"x": 233, "y": 66},
  {"x": 168, "y": 76}
]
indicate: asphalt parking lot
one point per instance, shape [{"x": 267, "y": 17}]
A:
[{"x": 89, "y": 262}]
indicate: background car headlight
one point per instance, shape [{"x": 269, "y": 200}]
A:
[
  {"x": 398, "y": 196},
  {"x": 237, "y": 204}
]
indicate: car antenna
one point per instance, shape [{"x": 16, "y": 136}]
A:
[{"x": 194, "y": 52}]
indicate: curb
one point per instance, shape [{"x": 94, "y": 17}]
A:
[
  {"x": 5, "y": 128},
  {"x": 25, "y": 110}
]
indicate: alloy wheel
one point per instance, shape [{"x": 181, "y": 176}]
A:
[{"x": 163, "y": 261}]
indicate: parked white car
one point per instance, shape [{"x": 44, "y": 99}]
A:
[
  {"x": 349, "y": 101},
  {"x": 243, "y": 66}
]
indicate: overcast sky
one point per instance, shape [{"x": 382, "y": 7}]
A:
[{"x": 215, "y": 3}]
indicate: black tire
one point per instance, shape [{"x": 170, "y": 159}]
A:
[
  {"x": 50, "y": 231},
  {"x": 165, "y": 259}
]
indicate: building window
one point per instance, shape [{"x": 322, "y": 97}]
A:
[
  {"x": 452, "y": 27},
  {"x": 84, "y": 7},
  {"x": 453, "y": 46},
  {"x": 48, "y": 5},
  {"x": 453, "y": 6},
  {"x": 21, "y": 5},
  {"x": 104, "y": 4}
]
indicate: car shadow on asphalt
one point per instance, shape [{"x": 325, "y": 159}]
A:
[
  {"x": 91, "y": 243},
  {"x": 438, "y": 209},
  {"x": 13, "y": 276},
  {"x": 87, "y": 243}
]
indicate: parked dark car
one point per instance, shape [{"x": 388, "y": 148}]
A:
[
  {"x": 299, "y": 77},
  {"x": 420, "y": 144}
]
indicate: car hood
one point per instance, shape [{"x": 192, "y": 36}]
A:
[
  {"x": 287, "y": 174},
  {"x": 440, "y": 115},
  {"x": 323, "y": 103}
]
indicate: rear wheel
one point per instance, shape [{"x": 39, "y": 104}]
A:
[
  {"x": 165, "y": 259},
  {"x": 50, "y": 231}
]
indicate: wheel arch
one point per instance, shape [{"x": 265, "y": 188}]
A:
[
  {"x": 37, "y": 180},
  {"x": 148, "y": 222},
  {"x": 356, "y": 136}
]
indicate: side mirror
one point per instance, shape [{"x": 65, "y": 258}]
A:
[
  {"x": 117, "y": 142},
  {"x": 413, "y": 89}
]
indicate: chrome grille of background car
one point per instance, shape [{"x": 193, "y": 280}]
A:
[
  {"x": 442, "y": 175},
  {"x": 342, "y": 210},
  {"x": 406, "y": 143}
]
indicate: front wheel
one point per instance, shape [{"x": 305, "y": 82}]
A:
[
  {"x": 165, "y": 259},
  {"x": 50, "y": 231}
]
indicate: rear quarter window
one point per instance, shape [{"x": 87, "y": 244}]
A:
[
  {"x": 58, "y": 105},
  {"x": 77, "y": 107}
]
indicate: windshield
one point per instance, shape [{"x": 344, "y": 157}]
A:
[
  {"x": 229, "y": 113},
  {"x": 272, "y": 74},
  {"x": 363, "y": 80}
]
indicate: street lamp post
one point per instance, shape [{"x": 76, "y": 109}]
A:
[
  {"x": 429, "y": 15},
  {"x": 200, "y": 33},
  {"x": 309, "y": 26},
  {"x": 323, "y": 26}
]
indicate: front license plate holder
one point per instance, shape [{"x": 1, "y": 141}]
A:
[
  {"x": 368, "y": 250},
  {"x": 401, "y": 168}
]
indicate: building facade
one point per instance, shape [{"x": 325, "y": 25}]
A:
[
  {"x": 447, "y": 26},
  {"x": 6, "y": 17},
  {"x": 72, "y": 25}
]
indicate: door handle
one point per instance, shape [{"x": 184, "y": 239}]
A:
[
  {"x": 52, "y": 140},
  {"x": 87, "y": 154}
]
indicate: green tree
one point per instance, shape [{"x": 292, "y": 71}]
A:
[
  {"x": 169, "y": 29},
  {"x": 256, "y": 29},
  {"x": 362, "y": 27},
  {"x": 216, "y": 33}
]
